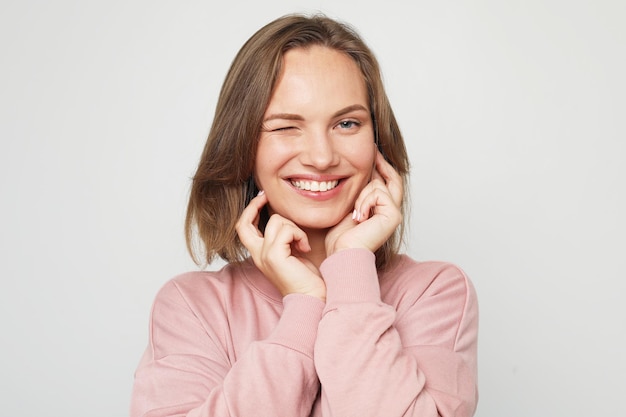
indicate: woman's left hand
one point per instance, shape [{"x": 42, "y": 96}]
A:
[{"x": 377, "y": 212}]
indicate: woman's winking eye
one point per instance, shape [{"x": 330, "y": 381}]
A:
[
  {"x": 276, "y": 128},
  {"x": 282, "y": 129}
]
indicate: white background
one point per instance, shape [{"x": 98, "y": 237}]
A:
[{"x": 514, "y": 113}]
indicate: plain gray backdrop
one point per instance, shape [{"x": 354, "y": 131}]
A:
[{"x": 514, "y": 116}]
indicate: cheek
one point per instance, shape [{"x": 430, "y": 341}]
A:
[
  {"x": 270, "y": 158},
  {"x": 262, "y": 163},
  {"x": 363, "y": 158},
  {"x": 262, "y": 174}
]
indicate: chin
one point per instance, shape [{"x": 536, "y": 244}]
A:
[{"x": 320, "y": 221}]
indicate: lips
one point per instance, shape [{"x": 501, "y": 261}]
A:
[{"x": 315, "y": 186}]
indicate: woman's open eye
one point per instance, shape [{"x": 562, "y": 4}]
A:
[{"x": 349, "y": 124}]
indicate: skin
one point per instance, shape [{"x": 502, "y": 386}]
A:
[{"x": 318, "y": 129}]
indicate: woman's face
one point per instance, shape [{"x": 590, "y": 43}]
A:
[{"x": 316, "y": 149}]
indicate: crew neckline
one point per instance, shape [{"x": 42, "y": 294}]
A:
[{"x": 259, "y": 282}]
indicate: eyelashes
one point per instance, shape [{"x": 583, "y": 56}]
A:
[{"x": 283, "y": 129}]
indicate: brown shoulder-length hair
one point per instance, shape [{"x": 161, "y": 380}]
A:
[{"x": 223, "y": 184}]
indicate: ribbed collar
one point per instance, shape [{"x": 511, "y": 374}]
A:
[{"x": 259, "y": 282}]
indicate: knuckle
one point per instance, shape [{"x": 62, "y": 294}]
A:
[{"x": 274, "y": 218}]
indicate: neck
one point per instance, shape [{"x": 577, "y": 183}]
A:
[{"x": 317, "y": 241}]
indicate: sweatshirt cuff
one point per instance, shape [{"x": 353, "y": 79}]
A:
[
  {"x": 297, "y": 327},
  {"x": 351, "y": 277}
]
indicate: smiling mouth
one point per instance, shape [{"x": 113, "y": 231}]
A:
[{"x": 317, "y": 186}]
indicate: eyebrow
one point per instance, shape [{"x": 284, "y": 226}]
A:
[
  {"x": 354, "y": 107},
  {"x": 291, "y": 116}
]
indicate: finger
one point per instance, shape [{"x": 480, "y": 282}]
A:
[
  {"x": 377, "y": 201},
  {"x": 252, "y": 211},
  {"x": 299, "y": 239},
  {"x": 390, "y": 177},
  {"x": 376, "y": 175},
  {"x": 282, "y": 233},
  {"x": 361, "y": 212},
  {"x": 247, "y": 225}
]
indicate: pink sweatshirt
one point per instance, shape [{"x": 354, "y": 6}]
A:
[{"x": 402, "y": 343}]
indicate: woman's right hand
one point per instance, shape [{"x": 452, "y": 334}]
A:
[{"x": 277, "y": 252}]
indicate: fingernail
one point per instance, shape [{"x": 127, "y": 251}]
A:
[
  {"x": 261, "y": 192},
  {"x": 354, "y": 214}
]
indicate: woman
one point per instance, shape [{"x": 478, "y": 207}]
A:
[{"x": 304, "y": 171}]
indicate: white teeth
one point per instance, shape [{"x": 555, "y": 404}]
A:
[{"x": 315, "y": 185}]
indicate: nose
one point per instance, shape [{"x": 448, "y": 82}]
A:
[{"x": 319, "y": 151}]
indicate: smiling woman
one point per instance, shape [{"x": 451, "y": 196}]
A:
[{"x": 316, "y": 313}]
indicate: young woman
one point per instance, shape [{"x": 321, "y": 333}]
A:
[{"x": 300, "y": 188}]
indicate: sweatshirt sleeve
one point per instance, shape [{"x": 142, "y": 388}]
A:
[
  {"x": 416, "y": 358},
  {"x": 186, "y": 370}
]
